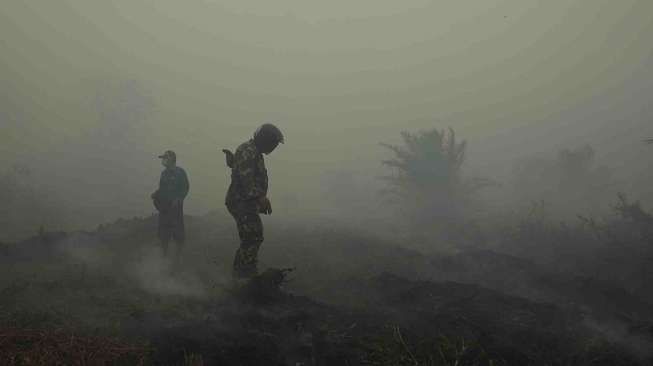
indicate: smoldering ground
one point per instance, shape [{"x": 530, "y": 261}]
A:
[
  {"x": 361, "y": 281},
  {"x": 146, "y": 266}
]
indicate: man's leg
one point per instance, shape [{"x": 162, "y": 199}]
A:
[
  {"x": 164, "y": 233},
  {"x": 246, "y": 260},
  {"x": 250, "y": 230},
  {"x": 179, "y": 237},
  {"x": 179, "y": 234}
]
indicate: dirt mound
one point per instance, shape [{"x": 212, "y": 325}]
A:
[{"x": 264, "y": 288}]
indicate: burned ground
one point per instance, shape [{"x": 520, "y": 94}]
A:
[{"x": 352, "y": 299}]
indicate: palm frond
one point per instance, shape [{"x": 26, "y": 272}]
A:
[
  {"x": 400, "y": 153},
  {"x": 394, "y": 181},
  {"x": 401, "y": 165},
  {"x": 459, "y": 154},
  {"x": 451, "y": 145},
  {"x": 397, "y": 193}
]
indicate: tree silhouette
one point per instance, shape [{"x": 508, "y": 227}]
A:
[
  {"x": 427, "y": 172},
  {"x": 571, "y": 181}
]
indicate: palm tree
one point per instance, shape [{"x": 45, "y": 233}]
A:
[{"x": 427, "y": 171}]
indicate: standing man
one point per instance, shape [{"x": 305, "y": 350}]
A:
[
  {"x": 247, "y": 195},
  {"x": 169, "y": 200}
]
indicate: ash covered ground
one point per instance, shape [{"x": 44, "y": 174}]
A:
[{"x": 107, "y": 296}]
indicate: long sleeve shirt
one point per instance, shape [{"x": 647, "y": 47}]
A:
[
  {"x": 249, "y": 178},
  {"x": 173, "y": 184}
]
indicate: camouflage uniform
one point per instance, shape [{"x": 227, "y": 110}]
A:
[
  {"x": 172, "y": 185},
  {"x": 249, "y": 182}
]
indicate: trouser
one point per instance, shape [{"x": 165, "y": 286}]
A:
[
  {"x": 250, "y": 231},
  {"x": 171, "y": 226}
]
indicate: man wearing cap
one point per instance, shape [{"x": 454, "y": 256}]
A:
[
  {"x": 247, "y": 195},
  {"x": 169, "y": 200}
]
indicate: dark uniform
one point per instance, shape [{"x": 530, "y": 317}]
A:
[
  {"x": 249, "y": 182},
  {"x": 173, "y": 185}
]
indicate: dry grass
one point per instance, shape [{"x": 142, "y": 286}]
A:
[{"x": 57, "y": 347}]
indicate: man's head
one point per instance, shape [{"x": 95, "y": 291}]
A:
[
  {"x": 267, "y": 138},
  {"x": 168, "y": 159}
]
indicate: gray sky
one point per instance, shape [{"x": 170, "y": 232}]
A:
[{"x": 513, "y": 77}]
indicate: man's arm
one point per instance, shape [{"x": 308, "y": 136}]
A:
[
  {"x": 185, "y": 185},
  {"x": 181, "y": 188},
  {"x": 156, "y": 193}
]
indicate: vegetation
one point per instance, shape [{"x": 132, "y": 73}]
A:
[
  {"x": 26, "y": 205},
  {"x": 427, "y": 174},
  {"x": 571, "y": 182},
  {"x": 392, "y": 349}
]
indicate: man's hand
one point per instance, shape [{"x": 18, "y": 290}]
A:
[
  {"x": 264, "y": 206},
  {"x": 229, "y": 156}
]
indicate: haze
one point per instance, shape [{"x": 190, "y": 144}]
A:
[{"x": 92, "y": 91}]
